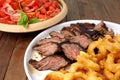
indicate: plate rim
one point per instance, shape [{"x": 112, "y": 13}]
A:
[{"x": 37, "y": 37}]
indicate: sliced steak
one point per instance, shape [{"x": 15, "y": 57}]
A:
[
  {"x": 47, "y": 48},
  {"x": 56, "y": 34},
  {"x": 87, "y": 25},
  {"x": 110, "y": 32},
  {"x": 47, "y": 40},
  {"x": 101, "y": 27},
  {"x": 66, "y": 32},
  {"x": 53, "y": 62},
  {"x": 71, "y": 50},
  {"x": 82, "y": 40},
  {"x": 75, "y": 29}
]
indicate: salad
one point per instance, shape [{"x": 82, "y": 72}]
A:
[{"x": 25, "y": 12}]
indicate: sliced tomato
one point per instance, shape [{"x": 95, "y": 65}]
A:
[
  {"x": 25, "y": 2},
  {"x": 47, "y": 4},
  {"x": 31, "y": 15},
  {"x": 15, "y": 17},
  {"x": 44, "y": 1},
  {"x": 9, "y": 1},
  {"x": 55, "y": 12},
  {"x": 32, "y": 9},
  {"x": 31, "y": 5},
  {"x": 34, "y": 3},
  {"x": 51, "y": 8},
  {"x": 7, "y": 9},
  {"x": 15, "y": 5},
  {"x": 2, "y": 2},
  {"x": 42, "y": 17},
  {"x": 43, "y": 11},
  {"x": 55, "y": 4},
  {"x": 2, "y": 14},
  {"x": 7, "y": 20}
]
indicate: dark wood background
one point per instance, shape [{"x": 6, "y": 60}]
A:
[{"x": 13, "y": 46}]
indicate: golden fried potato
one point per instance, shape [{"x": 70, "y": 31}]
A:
[{"x": 55, "y": 76}]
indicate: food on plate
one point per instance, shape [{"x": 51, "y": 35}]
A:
[
  {"x": 69, "y": 42},
  {"x": 54, "y": 47},
  {"x": 24, "y": 12},
  {"x": 94, "y": 65},
  {"x": 69, "y": 51},
  {"x": 52, "y": 62},
  {"x": 55, "y": 76}
]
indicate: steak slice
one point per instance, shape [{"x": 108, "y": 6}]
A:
[
  {"x": 67, "y": 32},
  {"x": 103, "y": 29},
  {"x": 87, "y": 25},
  {"x": 71, "y": 50},
  {"x": 82, "y": 40},
  {"x": 53, "y": 62},
  {"x": 47, "y": 48},
  {"x": 56, "y": 34},
  {"x": 47, "y": 40}
]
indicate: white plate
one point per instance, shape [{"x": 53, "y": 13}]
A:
[{"x": 33, "y": 74}]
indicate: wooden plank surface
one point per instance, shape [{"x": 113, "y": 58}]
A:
[
  {"x": 73, "y": 10},
  {"x": 13, "y": 46},
  {"x": 16, "y": 69},
  {"x": 99, "y": 10},
  {"x": 113, "y": 9},
  {"x": 7, "y": 44},
  {"x": 85, "y": 10}
]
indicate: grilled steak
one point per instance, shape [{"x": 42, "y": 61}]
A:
[
  {"x": 53, "y": 62},
  {"x": 87, "y": 25},
  {"x": 71, "y": 50},
  {"x": 82, "y": 40},
  {"x": 73, "y": 30},
  {"x": 102, "y": 28},
  {"x": 56, "y": 34},
  {"x": 47, "y": 40},
  {"x": 47, "y": 48},
  {"x": 67, "y": 33},
  {"x": 68, "y": 42}
]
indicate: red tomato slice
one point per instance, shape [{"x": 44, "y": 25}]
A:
[
  {"x": 2, "y": 14},
  {"x": 7, "y": 9},
  {"x": 44, "y": 1},
  {"x": 7, "y": 20},
  {"x": 47, "y": 4},
  {"x": 43, "y": 11},
  {"x": 27, "y": 9},
  {"x": 42, "y": 17},
  {"x": 15, "y": 17},
  {"x": 31, "y": 15},
  {"x": 25, "y": 2},
  {"x": 15, "y": 5},
  {"x": 33, "y": 3},
  {"x": 55, "y": 4},
  {"x": 9, "y": 1},
  {"x": 51, "y": 8},
  {"x": 2, "y": 2}
]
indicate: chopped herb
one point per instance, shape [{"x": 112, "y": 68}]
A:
[
  {"x": 60, "y": 3},
  {"x": 23, "y": 20},
  {"x": 35, "y": 20}
]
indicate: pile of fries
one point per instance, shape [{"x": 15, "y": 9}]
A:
[{"x": 100, "y": 62}]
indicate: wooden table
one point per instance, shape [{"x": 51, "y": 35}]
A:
[{"x": 13, "y": 46}]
